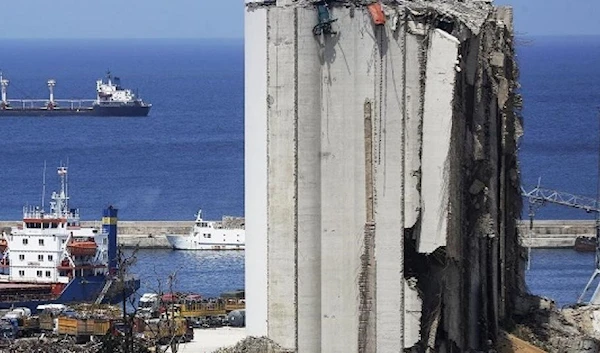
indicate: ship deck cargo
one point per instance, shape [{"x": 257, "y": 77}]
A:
[{"x": 111, "y": 100}]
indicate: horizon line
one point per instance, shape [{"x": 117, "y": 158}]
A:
[{"x": 129, "y": 38}]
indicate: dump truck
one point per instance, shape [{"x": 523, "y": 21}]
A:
[
  {"x": 83, "y": 329},
  {"x": 163, "y": 330},
  {"x": 22, "y": 320},
  {"x": 48, "y": 316}
]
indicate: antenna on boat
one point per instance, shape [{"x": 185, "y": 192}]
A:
[
  {"x": 67, "y": 184},
  {"x": 43, "y": 184}
]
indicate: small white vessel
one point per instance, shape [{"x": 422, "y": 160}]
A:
[{"x": 228, "y": 234}]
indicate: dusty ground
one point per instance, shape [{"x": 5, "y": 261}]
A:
[{"x": 209, "y": 340}]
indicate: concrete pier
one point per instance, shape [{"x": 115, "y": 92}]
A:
[
  {"x": 142, "y": 234},
  {"x": 150, "y": 234}
]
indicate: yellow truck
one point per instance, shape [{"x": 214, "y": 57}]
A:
[
  {"x": 82, "y": 329},
  {"x": 202, "y": 309},
  {"x": 164, "y": 330}
]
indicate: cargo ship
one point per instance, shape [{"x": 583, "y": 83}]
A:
[
  {"x": 228, "y": 234},
  {"x": 50, "y": 259},
  {"x": 111, "y": 100}
]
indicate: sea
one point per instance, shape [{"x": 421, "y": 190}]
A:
[{"x": 189, "y": 153}]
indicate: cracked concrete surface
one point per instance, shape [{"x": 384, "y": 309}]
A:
[{"x": 381, "y": 176}]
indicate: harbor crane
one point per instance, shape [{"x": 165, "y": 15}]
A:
[{"x": 539, "y": 196}]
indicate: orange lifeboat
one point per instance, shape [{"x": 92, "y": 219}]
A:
[
  {"x": 82, "y": 248},
  {"x": 3, "y": 245}
]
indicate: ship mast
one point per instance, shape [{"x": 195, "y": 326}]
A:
[
  {"x": 59, "y": 205},
  {"x": 3, "y": 84},
  {"x": 51, "y": 84}
]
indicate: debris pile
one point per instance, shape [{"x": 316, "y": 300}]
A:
[
  {"x": 558, "y": 330},
  {"x": 48, "y": 345},
  {"x": 97, "y": 311},
  {"x": 254, "y": 345}
]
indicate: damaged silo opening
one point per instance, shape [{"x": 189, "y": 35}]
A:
[{"x": 382, "y": 175}]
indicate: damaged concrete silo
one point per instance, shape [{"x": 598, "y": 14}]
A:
[{"x": 382, "y": 184}]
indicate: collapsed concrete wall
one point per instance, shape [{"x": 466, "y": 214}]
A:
[{"x": 381, "y": 174}]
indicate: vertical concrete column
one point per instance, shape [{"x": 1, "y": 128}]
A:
[
  {"x": 309, "y": 183},
  {"x": 347, "y": 82},
  {"x": 389, "y": 175},
  {"x": 414, "y": 63},
  {"x": 255, "y": 170},
  {"x": 282, "y": 124},
  {"x": 437, "y": 131}
]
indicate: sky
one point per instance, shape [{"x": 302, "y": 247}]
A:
[
  {"x": 225, "y": 18},
  {"x": 122, "y": 19},
  {"x": 555, "y": 17}
]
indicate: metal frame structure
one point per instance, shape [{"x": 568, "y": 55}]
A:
[{"x": 539, "y": 196}]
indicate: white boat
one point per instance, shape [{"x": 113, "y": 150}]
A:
[{"x": 228, "y": 234}]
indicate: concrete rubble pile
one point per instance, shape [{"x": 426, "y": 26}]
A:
[
  {"x": 570, "y": 330},
  {"x": 254, "y": 345},
  {"x": 382, "y": 182},
  {"x": 48, "y": 345}
]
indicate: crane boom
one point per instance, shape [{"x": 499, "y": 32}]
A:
[{"x": 540, "y": 195}]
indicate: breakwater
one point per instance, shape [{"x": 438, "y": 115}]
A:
[
  {"x": 143, "y": 234},
  {"x": 150, "y": 234}
]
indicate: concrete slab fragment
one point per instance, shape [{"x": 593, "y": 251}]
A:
[
  {"x": 414, "y": 65},
  {"x": 437, "y": 128}
]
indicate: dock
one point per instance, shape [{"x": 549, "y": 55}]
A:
[
  {"x": 554, "y": 233},
  {"x": 151, "y": 234}
]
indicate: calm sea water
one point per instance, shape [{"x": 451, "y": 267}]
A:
[
  {"x": 208, "y": 272},
  {"x": 189, "y": 153},
  {"x": 561, "y": 90},
  {"x": 560, "y": 274}
]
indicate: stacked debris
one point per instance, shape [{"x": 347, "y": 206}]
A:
[
  {"x": 97, "y": 311},
  {"x": 254, "y": 345},
  {"x": 569, "y": 330},
  {"x": 48, "y": 345}
]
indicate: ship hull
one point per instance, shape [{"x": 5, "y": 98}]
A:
[
  {"x": 97, "y": 110},
  {"x": 80, "y": 290},
  {"x": 186, "y": 242}
]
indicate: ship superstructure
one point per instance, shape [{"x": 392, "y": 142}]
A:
[
  {"x": 50, "y": 258},
  {"x": 111, "y": 100},
  {"x": 228, "y": 234}
]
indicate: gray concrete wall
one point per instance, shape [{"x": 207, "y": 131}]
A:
[
  {"x": 281, "y": 175},
  {"x": 309, "y": 186},
  {"x": 388, "y": 169},
  {"x": 363, "y": 150},
  {"x": 255, "y": 169}
]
